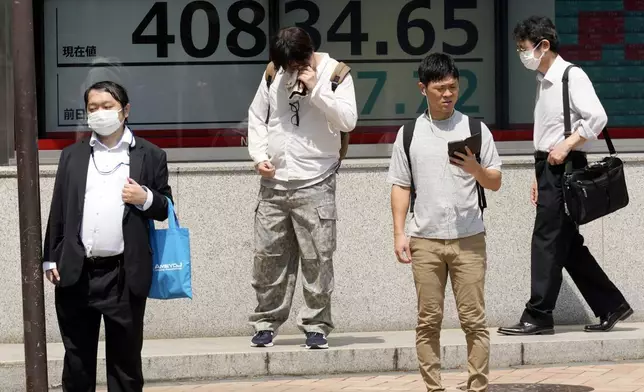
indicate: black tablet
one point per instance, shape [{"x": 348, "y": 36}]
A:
[{"x": 473, "y": 142}]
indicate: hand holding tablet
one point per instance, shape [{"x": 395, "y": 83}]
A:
[{"x": 472, "y": 142}]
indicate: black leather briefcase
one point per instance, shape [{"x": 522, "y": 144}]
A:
[{"x": 597, "y": 189}]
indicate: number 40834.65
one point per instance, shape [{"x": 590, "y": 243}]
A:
[{"x": 351, "y": 13}]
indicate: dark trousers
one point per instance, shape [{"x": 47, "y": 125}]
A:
[
  {"x": 557, "y": 244},
  {"x": 101, "y": 291}
]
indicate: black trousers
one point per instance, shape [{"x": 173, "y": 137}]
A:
[
  {"x": 100, "y": 292},
  {"x": 557, "y": 244}
]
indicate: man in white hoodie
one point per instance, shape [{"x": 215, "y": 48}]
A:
[{"x": 295, "y": 125}]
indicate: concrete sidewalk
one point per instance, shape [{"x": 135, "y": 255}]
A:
[
  {"x": 229, "y": 358},
  {"x": 602, "y": 377}
]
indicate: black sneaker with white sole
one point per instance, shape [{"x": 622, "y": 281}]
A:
[
  {"x": 316, "y": 340},
  {"x": 262, "y": 339}
]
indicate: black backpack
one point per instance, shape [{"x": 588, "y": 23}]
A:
[{"x": 408, "y": 135}]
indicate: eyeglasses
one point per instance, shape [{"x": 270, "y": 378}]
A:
[
  {"x": 539, "y": 41},
  {"x": 295, "y": 108}
]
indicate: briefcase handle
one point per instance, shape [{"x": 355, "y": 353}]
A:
[{"x": 567, "y": 120}]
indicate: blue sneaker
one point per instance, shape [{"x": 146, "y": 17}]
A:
[
  {"x": 316, "y": 340},
  {"x": 262, "y": 339}
]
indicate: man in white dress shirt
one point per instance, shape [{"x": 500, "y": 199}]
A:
[
  {"x": 294, "y": 132},
  {"x": 556, "y": 241},
  {"x": 97, "y": 249}
]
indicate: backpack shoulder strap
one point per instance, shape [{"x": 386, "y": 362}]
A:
[
  {"x": 475, "y": 125},
  {"x": 344, "y": 145},
  {"x": 269, "y": 77},
  {"x": 475, "y": 129},
  {"x": 339, "y": 73},
  {"x": 270, "y": 74},
  {"x": 408, "y": 135}
]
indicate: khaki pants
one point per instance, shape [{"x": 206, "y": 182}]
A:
[{"x": 465, "y": 262}]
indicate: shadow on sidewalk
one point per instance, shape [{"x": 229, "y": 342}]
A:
[
  {"x": 536, "y": 388},
  {"x": 340, "y": 341}
]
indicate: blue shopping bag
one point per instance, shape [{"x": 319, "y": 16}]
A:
[{"x": 171, "y": 276}]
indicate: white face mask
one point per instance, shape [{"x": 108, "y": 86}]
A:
[
  {"x": 104, "y": 122},
  {"x": 528, "y": 59}
]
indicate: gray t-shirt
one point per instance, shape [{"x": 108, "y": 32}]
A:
[{"x": 446, "y": 198}]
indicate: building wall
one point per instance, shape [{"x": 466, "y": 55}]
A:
[{"x": 373, "y": 292}]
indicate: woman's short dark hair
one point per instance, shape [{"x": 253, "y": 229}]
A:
[
  {"x": 535, "y": 29},
  {"x": 117, "y": 92},
  {"x": 291, "y": 45},
  {"x": 437, "y": 67}
]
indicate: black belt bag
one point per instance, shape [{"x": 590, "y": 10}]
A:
[{"x": 599, "y": 188}]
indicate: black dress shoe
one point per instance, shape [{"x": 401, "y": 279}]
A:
[
  {"x": 607, "y": 322},
  {"x": 524, "y": 328}
]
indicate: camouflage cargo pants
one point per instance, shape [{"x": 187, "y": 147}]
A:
[{"x": 289, "y": 226}]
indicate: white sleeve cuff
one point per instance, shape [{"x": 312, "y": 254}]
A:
[
  {"x": 48, "y": 265},
  {"x": 585, "y": 131},
  {"x": 148, "y": 201},
  {"x": 260, "y": 158}
]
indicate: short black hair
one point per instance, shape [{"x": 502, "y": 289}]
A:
[
  {"x": 291, "y": 44},
  {"x": 535, "y": 29},
  {"x": 117, "y": 92},
  {"x": 436, "y": 67}
]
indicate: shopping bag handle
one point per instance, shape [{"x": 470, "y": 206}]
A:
[{"x": 173, "y": 221}]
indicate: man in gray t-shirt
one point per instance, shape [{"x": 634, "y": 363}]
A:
[{"x": 446, "y": 234}]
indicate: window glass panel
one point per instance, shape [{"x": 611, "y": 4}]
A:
[
  {"x": 383, "y": 41},
  {"x": 192, "y": 67},
  {"x": 605, "y": 38}
]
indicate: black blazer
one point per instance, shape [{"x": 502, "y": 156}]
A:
[{"x": 63, "y": 245}]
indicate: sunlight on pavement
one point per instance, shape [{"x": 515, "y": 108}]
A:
[{"x": 612, "y": 377}]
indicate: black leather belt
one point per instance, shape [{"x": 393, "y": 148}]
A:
[{"x": 104, "y": 262}]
